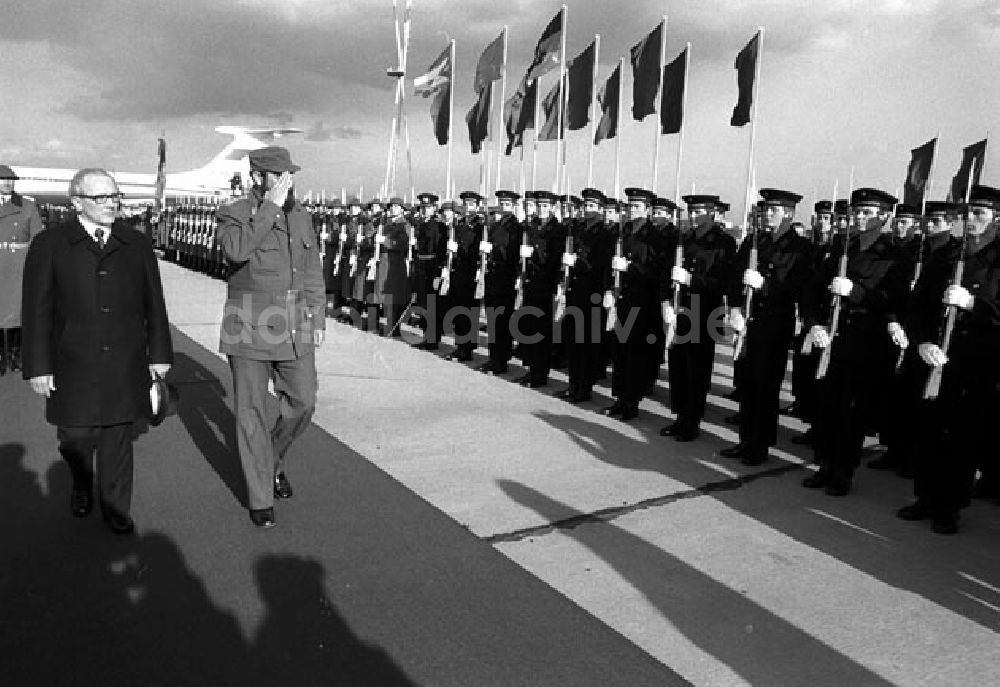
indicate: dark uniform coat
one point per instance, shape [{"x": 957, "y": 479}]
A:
[
  {"x": 392, "y": 284},
  {"x": 19, "y": 223},
  {"x": 95, "y": 320}
]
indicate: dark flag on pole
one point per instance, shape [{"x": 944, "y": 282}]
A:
[
  {"x": 490, "y": 64},
  {"x": 646, "y": 73},
  {"x": 550, "y": 108},
  {"x": 917, "y": 174},
  {"x": 672, "y": 98},
  {"x": 973, "y": 158},
  {"x": 746, "y": 66},
  {"x": 160, "y": 190},
  {"x": 547, "y": 51},
  {"x": 478, "y": 120},
  {"x": 519, "y": 114},
  {"x": 581, "y": 88},
  {"x": 436, "y": 81},
  {"x": 607, "y": 98}
]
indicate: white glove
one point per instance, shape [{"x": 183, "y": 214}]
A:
[
  {"x": 43, "y": 385},
  {"x": 753, "y": 279},
  {"x": 436, "y": 283},
  {"x": 453, "y": 246},
  {"x": 352, "y": 260},
  {"x": 668, "y": 312},
  {"x": 932, "y": 354},
  {"x": 413, "y": 240},
  {"x": 958, "y": 296},
  {"x": 897, "y": 335},
  {"x": 736, "y": 319},
  {"x": 485, "y": 247},
  {"x": 343, "y": 236},
  {"x": 527, "y": 251},
  {"x": 379, "y": 239},
  {"x": 569, "y": 259},
  {"x": 818, "y": 336},
  {"x": 609, "y": 299},
  {"x": 841, "y": 286},
  {"x": 619, "y": 264},
  {"x": 680, "y": 275},
  {"x": 518, "y": 283}
]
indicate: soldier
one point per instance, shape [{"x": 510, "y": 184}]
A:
[
  {"x": 784, "y": 263},
  {"x": 392, "y": 284},
  {"x": 645, "y": 256},
  {"x": 823, "y": 211},
  {"x": 703, "y": 276},
  {"x": 502, "y": 250},
  {"x": 869, "y": 291},
  {"x": 431, "y": 237},
  {"x": 958, "y": 425},
  {"x": 363, "y": 274},
  {"x": 19, "y": 223},
  {"x": 345, "y": 261},
  {"x": 458, "y": 285}
]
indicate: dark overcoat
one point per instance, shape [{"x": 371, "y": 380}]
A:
[{"x": 95, "y": 320}]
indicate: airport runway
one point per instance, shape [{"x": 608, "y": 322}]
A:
[{"x": 450, "y": 528}]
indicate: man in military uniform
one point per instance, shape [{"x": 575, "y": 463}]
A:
[
  {"x": 783, "y": 265},
  {"x": 273, "y": 320},
  {"x": 502, "y": 250},
  {"x": 346, "y": 261},
  {"x": 19, "y": 223},
  {"x": 703, "y": 276},
  {"x": 392, "y": 284},
  {"x": 869, "y": 291},
  {"x": 430, "y": 252},
  {"x": 642, "y": 267},
  {"x": 958, "y": 428},
  {"x": 458, "y": 285}
]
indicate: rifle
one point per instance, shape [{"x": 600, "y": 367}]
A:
[
  {"x": 619, "y": 250},
  {"x": 824, "y": 359},
  {"x": 564, "y": 282},
  {"x": 356, "y": 251},
  {"x": 748, "y": 291},
  {"x": 445, "y": 281},
  {"x": 373, "y": 265},
  {"x": 412, "y": 240},
  {"x": 519, "y": 286},
  {"x": 340, "y": 249},
  {"x": 675, "y": 300},
  {"x": 483, "y": 258}
]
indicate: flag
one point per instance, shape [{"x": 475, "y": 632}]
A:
[
  {"x": 437, "y": 76},
  {"x": 607, "y": 98},
  {"x": 160, "y": 190},
  {"x": 519, "y": 114},
  {"x": 441, "y": 114},
  {"x": 672, "y": 98},
  {"x": 547, "y": 51},
  {"x": 918, "y": 172},
  {"x": 580, "y": 79},
  {"x": 490, "y": 64},
  {"x": 478, "y": 120},
  {"x": 973, "y": 157},
  {"x": 746, "y": 66},
  {"x": 550, "y": 107},
  {"x": 646, "y": 73}
]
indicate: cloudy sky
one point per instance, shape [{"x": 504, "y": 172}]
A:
[{"x": 845, "y": 83}]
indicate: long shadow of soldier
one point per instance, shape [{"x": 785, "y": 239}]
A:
[{"x": 759, "y": 646}]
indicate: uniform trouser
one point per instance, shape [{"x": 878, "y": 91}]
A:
[
  {"x": 459, "y": 309},
  {"x": 585, "y": 333},
  {"x": 900, "y": 434},
  {"x": 262, "y": 449},
  {"x": 500, "y": 309},
  {"x": 424, "y": 274},
  {"x": 393, "y": 314},
  {"x": 534, "y": 335},
  {"x": 763, "y": 370},
  {"x": 635, "y": 355},
  {"x": 803, "y": 379},
  {"x": 113, "y": 445},
  {"x": 10, "y": 349},
  {"x": 689, "y": 372}
]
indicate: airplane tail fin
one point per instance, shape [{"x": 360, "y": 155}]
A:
[{"x": 233, "y": 158}]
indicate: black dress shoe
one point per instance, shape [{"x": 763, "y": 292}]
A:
[
  {"x": 629, "y": 412},
  {"x": 497, "y": 369},
  {"x": 262, "y": 517},
  {"x": 918, "y": 510},
  {"x": 792, "y": 409},
  {"x": 282, "y": 488},
  {"x": 754, "y": 459},
  {"x": 673, "y": 428},
  {"x": 816, "y": 481},
  {"x": 886, "y": 461},
  {"x": 538, "y": 383},
  {"x": 428, "y": 346},
  {"x": 120, "y": 524},
  {"x": 945, "y": 523},
  {"x": 804, "y": 439},
  {"x": 581, "y": 396},
  {"x": 567, "y": 394},
  {"x": 486, "y": 368},
  {"x": 838, "y": 487},
  {"x": 689, "y": 434},
  {"x": 734, "y": 419},
  {"x": 613, "y": 410},
  {"x": 81, "y": 502},
  {"x": 461, "y": 355},
  {"x": 738, "y": 451},
  {"x": 523, "y": 380}
]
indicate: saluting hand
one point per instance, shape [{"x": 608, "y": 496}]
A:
[
  {"x": 279, "y": 192},
  {"x": 43, "y": 385}
]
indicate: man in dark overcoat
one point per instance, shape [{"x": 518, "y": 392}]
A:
[{"x": 95, "y": 330}]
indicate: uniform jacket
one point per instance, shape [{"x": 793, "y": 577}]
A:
[
  {"x": 19, "y": 223},
  {"x": 542, "y": 269},
  {"x": 94, "y": 320},
  {"x": 392, "y": 283},
  {"x": 502, "y": 264},
  {"x": 276, "y": 295},
  {"x": 708, "y": 255},
  {"x": 594, "y": 247},
  {"x": 647, "y": 250}
]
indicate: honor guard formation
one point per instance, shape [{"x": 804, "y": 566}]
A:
[{"x": 890, "y": 318}]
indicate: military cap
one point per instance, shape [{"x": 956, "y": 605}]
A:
[
  {"x": 842, "y": 206},
  {"x": 701, "y": 201},
  {"x": 666, "y": 203},
  {"x": 7, "y": 173},
  {"x": 576, "y": 200},
  {"x": 507, "y": 195},
  {"x": 470, "y": 195},
  {"x": 723, "y": 206},
  {"x": 774, "y": 196},
  {"x": 985, "y": 196},
  {"x": 904, "y": 210},
  {"x": 939, "y": 207},
  {"x": 593, "y": 195},
  {"x": 375, "y": 201},
  {"x": 396, "y": 200},
  {"x": 427, "y": 198},
  {"x": 530, "y": 195},
  {"x": 633, "y": 193},
  {"x": 448, "y": 205},
  {"x": 335, "y": 204},
  {"x": 873, "y": 196},
  {"x": 274, "y": 159},
  {"x": 354, "y": 200},
  {"x": 823, "y": 206},
  {"x": 545, "y": 196},
  {"x": 493, "y": 209}
]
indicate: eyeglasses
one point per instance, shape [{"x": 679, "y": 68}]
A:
[{"x": 102, "y": 198}]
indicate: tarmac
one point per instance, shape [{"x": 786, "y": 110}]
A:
[{"x": 450, "y": 528}]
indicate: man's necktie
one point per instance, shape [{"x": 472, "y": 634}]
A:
[{"x": 99, "y": 235}]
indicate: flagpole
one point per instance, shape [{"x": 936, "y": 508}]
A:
[
  {"x": 982, "y": 168},
  {"x": 593, "y": 111},
  {"x": 656, "y": 124},
  {"x": 561, "y": 94},
  {"x": 618, "y": 130},
  {"x": 680, "y": 139},
  {"x": 451, "y": 121},
  {"x": 534, "y": 140},
  {"x": 753, "y": 123},
  {"x": 503, "y": 94},
  {"x": 402, "y": 94}
]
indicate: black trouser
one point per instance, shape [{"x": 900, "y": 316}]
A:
[
  {"x": 458, "y": 308},
  {"x": 803, "y": 380},
  {"x": 10, "y": 349},
  {"x": 535, "y": 331},
  {"x": 635, "y": 356},
  {"x": 585, "y": 332},
  {"x": 689, "y": 370},
  {"x": 113, "y": 445},
  {"x": 500, "y": 342},
  {"x": 900, "y": 433},
  {"x": 763, "y": 370}
]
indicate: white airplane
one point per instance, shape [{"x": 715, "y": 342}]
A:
[{"x": 213, "y": 181}]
